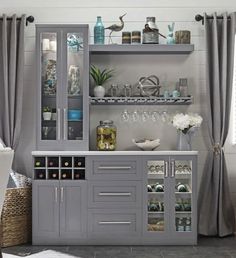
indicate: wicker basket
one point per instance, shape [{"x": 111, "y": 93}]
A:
[{"x": 16, "y": 217}]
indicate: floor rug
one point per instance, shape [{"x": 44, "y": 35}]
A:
[{"x": 44, "y": 254}]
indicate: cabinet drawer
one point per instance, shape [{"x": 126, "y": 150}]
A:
[
  {"x": 114, "y": 194},
  {"x": 116, "y": 222},
  {"x": 114, "y": 168}
]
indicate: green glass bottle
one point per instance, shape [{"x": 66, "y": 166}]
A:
[{"x": 99, "y": 37}]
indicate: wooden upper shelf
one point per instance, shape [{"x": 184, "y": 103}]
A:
[{"x": 141, "y": 49}]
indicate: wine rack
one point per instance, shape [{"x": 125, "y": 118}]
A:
[{"x": 59, "y": 168}]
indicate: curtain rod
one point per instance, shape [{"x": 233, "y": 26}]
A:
[
  {"x": 29, "y": 19},
  {"x": 199, "y": 17}
]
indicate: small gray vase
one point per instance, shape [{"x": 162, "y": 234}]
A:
[{"x": 184, "y": 142}]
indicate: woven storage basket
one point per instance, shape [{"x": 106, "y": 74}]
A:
[{"x": 16, "y": 217}]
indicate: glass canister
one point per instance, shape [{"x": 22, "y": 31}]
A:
[
  {"x": 150, "y": 32},
  {"x": 106, "y": 136}
]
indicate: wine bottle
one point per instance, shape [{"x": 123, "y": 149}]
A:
[
  {"x": 41, "y": 175},
  {"x": 54, "y": 175},
  {"x": 63, "y": 175},
  {"x": 37, "y": 163},
  {"x": 77, "y": 176},
  {"x": 50, "y": 164},
  {"x": 66, "y": 164}
]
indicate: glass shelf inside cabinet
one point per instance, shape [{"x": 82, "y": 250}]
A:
[
  {"x": 155, "y": 196},
  {"x": 183, "y": 195}
]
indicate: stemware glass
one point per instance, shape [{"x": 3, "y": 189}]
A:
[
  {"x": 145, "y": 116},
  {"x": 135, "y": 116},
  {"x": 155, "y": 116},
  {"x": 125, "y": 116}
]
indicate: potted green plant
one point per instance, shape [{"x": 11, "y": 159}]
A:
[
  {"x": 47, "y": 113},
  {"x": 100, "y": 77}
]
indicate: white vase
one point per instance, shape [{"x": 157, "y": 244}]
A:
[
  {"x": 47, "y": 115},
  {"x": 184, "y": 142},
  {"x": 99, "y": 91}
]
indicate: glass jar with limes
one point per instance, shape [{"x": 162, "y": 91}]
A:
[{"x": 106, "y": 136}]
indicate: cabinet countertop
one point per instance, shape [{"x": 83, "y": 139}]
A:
[{"x": 113, "y": 153}]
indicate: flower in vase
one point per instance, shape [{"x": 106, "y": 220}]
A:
[{"x": 184, "y": 122}]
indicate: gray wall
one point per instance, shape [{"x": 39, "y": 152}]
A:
[{"x": 128, "y": 69}]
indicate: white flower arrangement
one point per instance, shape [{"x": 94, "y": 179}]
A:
[{"x": 184, "y": 122}]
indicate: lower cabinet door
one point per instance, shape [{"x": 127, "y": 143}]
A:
[
  {"x": 73, "y": 209},
  {"x": 45, "y": 210}
]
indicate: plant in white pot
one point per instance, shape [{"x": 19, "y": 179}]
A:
[
  {"x": 100, "y": 77},
  {"x": 47, "y": 113}
]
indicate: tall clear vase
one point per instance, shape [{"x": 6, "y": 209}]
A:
[{"x": 184, "y": 142}]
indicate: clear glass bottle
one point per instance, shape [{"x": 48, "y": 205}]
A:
[
  {"x": 99, "y": 37},
  {"x": 106, "y": 136}
]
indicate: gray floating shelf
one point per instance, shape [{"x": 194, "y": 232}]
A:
[
  {"x": 141, "y": 101},
  {"x": 142, "y": 49}
]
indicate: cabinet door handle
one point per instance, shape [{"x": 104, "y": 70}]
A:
[
  {"x": 58, "y": 124},
  {"x": 114, "y": 222},
  {"x": 64, "y": 123},
  {"x": 166, "y": 169},
  {"x": 114, "y": 194},
  {"x": 55, "y": 192},
  {"x": 114, "y": 168},
  {"x": 172, "y": 168},
  {"x": 62, "y": 194}
]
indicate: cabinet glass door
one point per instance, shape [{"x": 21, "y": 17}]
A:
[
  {"x": 49, "y": 86},
  {"x": 183, "y": 194},
  {"x": 73, "y": 113},
  {"x": 156, "y": 201}
]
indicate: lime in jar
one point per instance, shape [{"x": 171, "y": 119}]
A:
[{"x": 106, "y": 136}]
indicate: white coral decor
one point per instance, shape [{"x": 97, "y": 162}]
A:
[{"x": 184, "y": 122}]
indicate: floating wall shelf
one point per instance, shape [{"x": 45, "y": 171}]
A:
[
  {"x": 141, "y": 49},
  {"x": 141, "y": 101}
]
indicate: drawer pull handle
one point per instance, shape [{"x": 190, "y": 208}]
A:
[
  {"x": 114, "y": 222},
  {"x": 114, "y": 168},
  {"x": 114, "y": 194}
]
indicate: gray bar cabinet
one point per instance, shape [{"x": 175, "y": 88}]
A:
[{"x": 117, "y": 198}]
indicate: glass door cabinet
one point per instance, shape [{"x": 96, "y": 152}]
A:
[
  {"x": 63, "y": 78},
  {"x": 170, "y": 200}
]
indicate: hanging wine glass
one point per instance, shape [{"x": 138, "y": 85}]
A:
[
  {"x": 164, "y": 116},
  {"x": 125, "y": 116},
  {"x": 135, "y": 116},
  {"x": 155, "y": 116},
  {"x": 145, "y": 116}
]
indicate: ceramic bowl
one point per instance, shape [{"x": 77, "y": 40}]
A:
[
  {"x": 74, "y": 114},
  {"x": 147, "y": 145}
]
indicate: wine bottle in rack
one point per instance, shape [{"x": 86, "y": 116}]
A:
[
  {"x": 37, "y": 164},
  {"x": 40, "y": 174},
  {"x": 63, "y": 175},
  {"x": 50, "y": 163}
]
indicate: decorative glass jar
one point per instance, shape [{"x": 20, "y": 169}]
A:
[
  {"x": 150, "y": 32},
  {"x": 106, "y": 136}
]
